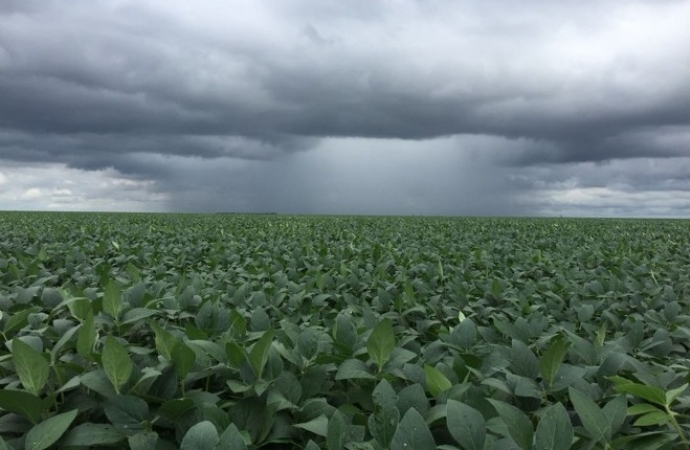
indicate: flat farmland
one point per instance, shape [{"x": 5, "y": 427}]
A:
[{"x": 224, "y": 331}]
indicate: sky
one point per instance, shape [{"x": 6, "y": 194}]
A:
[{"x": 421, "y": 107}]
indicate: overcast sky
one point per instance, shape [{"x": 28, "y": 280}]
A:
[{"x": 573, "y": 108}]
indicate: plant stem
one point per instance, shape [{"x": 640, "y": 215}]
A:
[{"x": 675, "y": 424}]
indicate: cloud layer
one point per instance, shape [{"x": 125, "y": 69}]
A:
[{"x": 355, "y": 107}]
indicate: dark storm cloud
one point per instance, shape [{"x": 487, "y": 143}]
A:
[{"x": 144, "y": 86}]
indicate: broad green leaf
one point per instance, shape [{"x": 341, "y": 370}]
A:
[
  {"x": 674, "y": 393},
  {"x": 523, "y": 361},
  {"x": 231, "y": 438},
  {"x": 592, "y": 417},
  {"x": 645, "y": 441},
  {"x": 384, "y": 394},
  {"x": 552, "y": 358},
  {"x": 164, "y": 340},
  {"x": 518, "y": 424},
  {"x": 136, "y": 314},
  {"x": 49, "y": 431},
  {"x": 146, "y": 440},
  {"x": 127, "y": 413},
  {"x": 93, "y": 435},
  {"x": 652, "y": 418},
  {"x": 32, "y": 368},
  {"x": 311, "y": 446},
  {"x": 345, "y": 331},
  {"x": 259, "y": 321},
  {"x": 79, "y": 307},
  {"x": 383, "y": 424},
  {"x": 64, "y": 339},
  {"x": 202, "y": 436},
  {"x": 234, "y": 354},
  {"x": 116, "y": 362},
  {"x": 412, "y": 433},
  {"x": 381, "y": 342},
  {"x": 173, "y": 409},
  {"x": 616, "y": 412},
  {"x": 23, "y": 403},
  {"x": 466, "y": 333},
  {"x": 112, "y": 299},
  {"x": 98, "y": 381},
  {"x": 184, "y": 359},
  {"x": 437, "y": 413},
  {"x": 338, "y": 432},
  {"x": 258, "y": 356},
  {"x": 650, "y": 393},
  {"x": 554, "y": 431},
  {"x": 413, "y": 396},
  {"x": 436, "y": 382},
  {"x": 86, "y": 339},
  {"x": 641, "y": 408},
  {"x": 353, "y": 369},
  {"x": 317, "y": 425},
  {"x": 466, "y": 425}
]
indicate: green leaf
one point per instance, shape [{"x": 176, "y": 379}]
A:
[
  {"x": 413, "y": 433},
  {"x": 466, "y": 333},
  {"x": 641, "y": 408},
  {"x": 98, "y": 381},
  {"x": 552, "y": 358},
  {"x": 184, "y": 359},
  {"x": 48, "y": 432},
  {"x": 311, "y": 446},
  {"x": 127, "y": 413},
  {"x": 93, "y": 435},
  {"x": 383, "y": 424},
  {"x": 136, "y": 314},
  {"x": 64, "y": 339},
  {"x": 258, "y": 356},
  {"x": 413, "y": 396},
  {"x": 381, "y": 342},
  {"x": 112, "y": 299},
  {"x": 32, "y": 368},
  {"x": 202, "y": 436},
  {"x": 518, "y": 424},
  {"x": 164, "y": 340},
  {"x": 592, "y": 417},
  {"x": 616, "y": 412},
  {"x": 523, "y": 361},
  {"x": 23, "y": 403},
  {"x": 466, "y": 425},
  {"x": 173, "y": 409},
  {"x": 649, "y": 393},
  {"x": 79, "y": 307},
  {"x": 235, "y": 354},
  {"x": 116, "y": 362},
  {"x": 652, "y": 418},
  {"x": 436, "y": 382},
  {"x": 86, "y": 339},
  {"x": 674, "y": 393},
  {"x": 384, "y": 394},
  {"x": 143, "y": 441},
  {"x": 645, "y": 441},
  {"x": 338, "y": 434},
  {"x": 554, "y": 431},
  {"x": 352, "y": 369},
  {"x": 317, "y": 425},
  {"x": 231, "y": 439}
]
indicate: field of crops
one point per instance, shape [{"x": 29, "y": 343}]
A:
[{"x": 231, "y": 332}]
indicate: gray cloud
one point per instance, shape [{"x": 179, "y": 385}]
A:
[{"x": 256, "y": 98}]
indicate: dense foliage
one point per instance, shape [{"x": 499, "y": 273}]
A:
[{"x": 232, "y": 332}]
